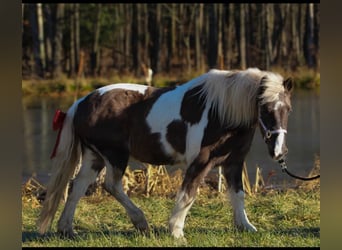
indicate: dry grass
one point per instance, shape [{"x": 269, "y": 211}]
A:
[{"x": 156, "y": 181}]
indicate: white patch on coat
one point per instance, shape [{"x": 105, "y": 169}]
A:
[
  {"x": 239, "y": 213},
  {"x": 195, "y": 135},
  {"x": 279, "y": 143},
  {"x": 179, "y": 212},
  {"x": 167, "y": 109},
  {"x": 126, "y": 86}
]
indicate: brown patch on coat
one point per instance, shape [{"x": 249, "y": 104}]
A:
[
  {"x": 176, "y": 135},
  {"x": 193, "y": 105},
  {"x": 115, "y": 124},
  {"x": 144, "y": 145}
]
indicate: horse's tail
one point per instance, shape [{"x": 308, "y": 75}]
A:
[{"x": 66, "y": 157}]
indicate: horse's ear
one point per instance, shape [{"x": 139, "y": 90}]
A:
[{"x": 288, "y": 84}]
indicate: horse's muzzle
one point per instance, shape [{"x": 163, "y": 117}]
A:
[{"x": 280, "y": 155}]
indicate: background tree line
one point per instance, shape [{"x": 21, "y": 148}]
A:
[{"x": 105, "y": 39}]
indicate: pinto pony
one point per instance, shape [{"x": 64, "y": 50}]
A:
[{"x": 206, "y": 122}]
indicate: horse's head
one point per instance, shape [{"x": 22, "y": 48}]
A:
[{"x": 274, "y": 108}]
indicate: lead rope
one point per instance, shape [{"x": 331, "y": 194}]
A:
[{"x": 284, "y": 169}]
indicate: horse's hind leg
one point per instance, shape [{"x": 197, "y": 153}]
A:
[
  {"x": 233, "y": 175},
  {"x": 92, "y": 164},
  {"x": 116, "y": 166}
]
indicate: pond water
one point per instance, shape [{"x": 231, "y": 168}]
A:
[{"x": 303, "y": 138}]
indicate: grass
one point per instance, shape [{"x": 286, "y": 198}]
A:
[{"x": 284, "y": 218}]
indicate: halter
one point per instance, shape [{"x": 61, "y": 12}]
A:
[{"x": 269, "y": 133}]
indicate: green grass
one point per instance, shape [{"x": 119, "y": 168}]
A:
[{"x": 286, "y": 218}]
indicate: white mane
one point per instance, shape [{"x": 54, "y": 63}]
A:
[{"x": 233, "y": 94}]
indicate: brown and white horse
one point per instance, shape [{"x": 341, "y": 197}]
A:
[{"x": 206, "y": 122}]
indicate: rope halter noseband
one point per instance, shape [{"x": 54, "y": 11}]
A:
[{"x": 269, "y": 133}]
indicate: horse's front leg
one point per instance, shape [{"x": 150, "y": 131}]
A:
[
  {"x": 233, "y": 175},
  {"x": 186, "y": 197}
]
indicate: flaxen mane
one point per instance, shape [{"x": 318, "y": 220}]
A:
[{"x": 234, "y": 93}]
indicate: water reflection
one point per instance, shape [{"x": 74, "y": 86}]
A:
[
  {"x": 303, "y": 138},
  {"x": 39, "y": 137}
]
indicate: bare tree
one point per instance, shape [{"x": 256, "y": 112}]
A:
[
  {"x": 219, "y": 38},
  {"x": 243, "y": 63},
  {"x": 48, "y": 38},
  {"x": 212, "y": 36},
  {"x": 95, "y": 50},
  {"x": 77, "y": 34},
  {"x": 232, "y": 41},
  {"x": 155, "y": 36},
  {"x": 198, "y": 28},
  {"x": 57, "y": 42},
  {"x": 38, "y": 66},
  {"x": 310, "y": 44},
  {"x": 41, "y": 35}
]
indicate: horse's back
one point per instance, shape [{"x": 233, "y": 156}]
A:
[{"x": 103, "y": 112}]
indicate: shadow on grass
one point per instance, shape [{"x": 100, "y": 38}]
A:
[
  {"x": 163, "y": 231},
  {"x": 35, "y": 236},
  {"x": 301, "y": 231},
  {"x": 29, "y": 236}
]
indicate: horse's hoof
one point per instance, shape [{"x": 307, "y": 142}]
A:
[
  {"x": 247, "y": 228},
  {"x": 181, "y": 242},
  {"x": 69, "y": 234},
  {"x": 142, "y": 227},
  {"x": 177, "y": 233}
]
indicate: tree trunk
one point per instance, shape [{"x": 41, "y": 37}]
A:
[
  {"x": 231, "y": 37},
  {"x": 219, "y": 38},
  {"x": 48, "y": 38},
  {"x": 269, "y": 30},
  {"x": 156, "y": 36},
  {"x": 41, "y": 36},
  {"x": 198, "y": 28},
  {"x": 173, "y": 30},
  {"x": 295, "y": 41},
  {"x": 284, "y": 49},
  {"x": 95, "y": 51},
  {"x": 171, "y": 35},
  {"x": 77, "y": 35},
  {"x": 212, "y": 37},
  {"x": 72, "y": 57},
  {"x": 128, "y": 34},
  {"x": 57, "y": 43},
  {"x": 316, "y": 36},
  {"x": 188, "y": 47},
  {"x": 146, "y": 56},
  {"x": 135, "y": 39},
  {"x": 310, "y": 44},
  {"x": 38, "y": 67},
  {"x": 242, "y": 37},
  {"x": 119, "y": 48}
]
